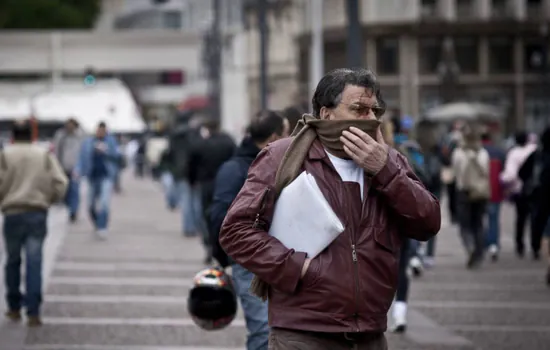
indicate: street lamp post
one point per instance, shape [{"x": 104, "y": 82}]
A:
[
  {"x": 264, "y": 42},
  {"x": 317, "y": 50},
  {"x": 213, "y": 58},
  {"x": 355, "y": 41},
  {"x": 262, "y": 8},
  {"x": 545, "y": 69}
]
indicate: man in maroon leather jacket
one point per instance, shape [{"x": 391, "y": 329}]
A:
[{"x": 340, "y": 298}]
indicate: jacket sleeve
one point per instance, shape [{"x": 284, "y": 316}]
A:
[
  {"x": 112, "y": 149},
  {"x": 244, "y": 234},
  {"x": 81, "y": 167},
  {"x": 417, "y": 209},
  {"x": 228, "y": 183},
  {"x": 57, "y": 143},
  {"x": 59, "y": 180}
]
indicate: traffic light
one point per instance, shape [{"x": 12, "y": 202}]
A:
[{"x": 89, "y": 77}]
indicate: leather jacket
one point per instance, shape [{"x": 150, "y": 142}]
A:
[{"x": 350, "y": 286}]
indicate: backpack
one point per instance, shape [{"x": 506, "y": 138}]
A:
[{"x": 475, "y": 180}]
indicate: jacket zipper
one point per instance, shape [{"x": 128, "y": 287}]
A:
[
  {"x": 257, "y": 220},
  {"x": 356, "y": 275},
  {"x": 356, "y": 268}
]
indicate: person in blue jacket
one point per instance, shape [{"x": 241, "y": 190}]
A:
[
  {"x": 230, "y": 178},
  {"x": 99, "y": 162}
]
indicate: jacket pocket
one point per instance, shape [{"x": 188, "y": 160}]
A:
[
  {"x": 258, "y": 209},
  {"x": 379, "y": 271},
  {"x": 384, "y": 239},
  {"x": 312, "y": 274}
]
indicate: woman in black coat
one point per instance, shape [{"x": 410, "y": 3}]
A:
[{"x": 541, "y": 196}]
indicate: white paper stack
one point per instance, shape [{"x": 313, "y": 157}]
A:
[{"x": 303, "y": 219}]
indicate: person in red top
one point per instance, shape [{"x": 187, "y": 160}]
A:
[{"x": 497, "y": 157}]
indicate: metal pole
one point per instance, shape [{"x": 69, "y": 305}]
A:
[
  {"x": 264, "y": 37},
  {"x": 215, "y": 61},
  {"x": 545, "y": 72},
  {"x": 355, "y": 42},
  {"x": 316, "y": 52}
]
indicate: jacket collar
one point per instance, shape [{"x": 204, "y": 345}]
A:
[{"x": 316, "y": 151}]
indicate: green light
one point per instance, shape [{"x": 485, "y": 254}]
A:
[{"x": 89, "y": 80}]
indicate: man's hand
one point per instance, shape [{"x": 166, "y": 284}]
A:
[
  {"x": 101, "y": 146},
  {"x": 368, "y": 153},
  {"x": 305, "y": 267}
]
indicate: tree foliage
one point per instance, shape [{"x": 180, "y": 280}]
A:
[{"x": 48, "y": 14}]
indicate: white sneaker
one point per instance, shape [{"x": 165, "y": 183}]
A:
[
  {"x": 399, "y": 316},
  {"x": 416, "y": 265},
  {"x": 101, "y": 234},
  {"x": 493, "y": 252}
]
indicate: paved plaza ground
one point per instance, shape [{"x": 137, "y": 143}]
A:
[{"x": 129, "y": 293}]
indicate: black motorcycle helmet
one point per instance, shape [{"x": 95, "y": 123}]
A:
[{"x": 212, "y": 302}]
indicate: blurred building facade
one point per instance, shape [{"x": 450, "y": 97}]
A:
[
  {"x": 154, "y": 47},
  {"x": 157, "y": 48},
  {"x": 500, "y": 48}
]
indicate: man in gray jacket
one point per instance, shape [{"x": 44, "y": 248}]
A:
[
  {"x": 67, "y": 143},
  {"x": 31, "y": 180}
]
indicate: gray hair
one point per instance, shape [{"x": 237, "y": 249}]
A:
[{"x": 330, "y": 88}]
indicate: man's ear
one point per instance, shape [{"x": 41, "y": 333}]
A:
[{"x": 325, "y": 113}]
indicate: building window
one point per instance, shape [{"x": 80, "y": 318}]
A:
[
  {"x": 387, "y": 55},
  {"x": 235, "y": 13},
  {"x": 534, "y": 8},
  {"x": 171, "y": 19},
  {"x": 335, "y": 55},
  {"x": 501, "y": 55},
  {"x": 467, "y": 54},
  {"x": 464, "y": 9},
  {"x": 501, "y": 9},
  {"x": 172, "y": 78},
  {"x": 430, "y": 50},
  {"x": 534, "y": 56},
  {"x": 428, "y": 9}
]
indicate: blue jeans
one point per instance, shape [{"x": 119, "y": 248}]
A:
[
  {"x": 414, "y": 247},
  {"x": 25, "y": 231},
  {"x": 430, "y": 247},
  {"x": 255, "y": 310},
  {"x": 191, "y": 207},
  {"x": 493, "y": 224},
  {"x": 99, "y": 198},
  {"x": 170, "y": 193},
  {"x": 72, "y": 197}
]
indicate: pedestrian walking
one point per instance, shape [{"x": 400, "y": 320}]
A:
[
  {"x": 540, "y": 199},
  {"x": 166, "y": 169},
  {"x": 182, "y": 141},
  {"x": 67, "y": 143},
  {"x": 267, "y": 127},
  {"x": 497, "y": 158},
  {"x": 99, "y": 162},
  {"x": 470, "y": 163},
  {"x": 518, "y": 171},
  {"x": 206, "y": 158},
  {"x": 340, "y": 298},
  {"x": 31, "y": 180},
  {"x": 449, "y": 143}
]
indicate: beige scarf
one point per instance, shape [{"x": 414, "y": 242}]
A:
[{"x": 307, "y": 130}]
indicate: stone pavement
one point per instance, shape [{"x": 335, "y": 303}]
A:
[{"x": 129, "y": 293}]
